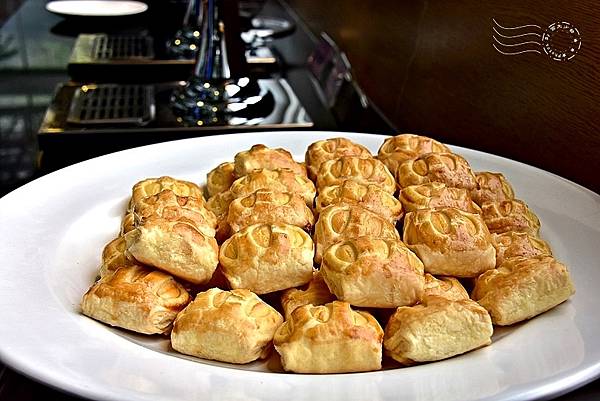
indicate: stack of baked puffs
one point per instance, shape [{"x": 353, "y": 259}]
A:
[{"x": 335, "y": 261}]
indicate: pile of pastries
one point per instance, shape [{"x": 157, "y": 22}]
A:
[{"x": 335, "y": 262}]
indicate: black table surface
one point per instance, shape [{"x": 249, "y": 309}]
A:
[{"x": 35, "y": 46}]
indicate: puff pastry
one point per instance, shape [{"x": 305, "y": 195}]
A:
[
  {"x": 176, "y": 247},
  {"x": 397, "y": 149},
  {"x": 436, "y": 329},
  {"x": 341, "y": 221},
  {"x": 265, "y": 258},
  {"x": 220, "y": 178},
  {"x": 152, "y": 186},
  {"x": 360, "y": 169},
  {"x": 522, "y": 288},
  {"x": 330, "y": 149},
  {"x": 448, "y": 168},
  {"x": 491, "y": 187},
  {"x": 446, "y": 287},
  {"x": 512, "y": 215},
  {"x": 219, "y": 205},
  {"x": 316, "y": 293},
  {"x": 371, "y": 272},
  {"x": 169, "y": 206},
  {"x": 260, "y": 157},
  {"x": 231, "y": 326},
  {"x": 275, "y": 180},
  {"x": 264, "y": 206},
  {"x": 450, "y": 242},
  {"x": 128, "y": 223},
  {"x": 330, "y": 338},
  {"x": 512, "y": 244},
  {"x": 434, "y": 195},
  {"x": 114, "y": 256},
  {"x": 136, "y": 298},
  {"x": 369, "y": 196}
]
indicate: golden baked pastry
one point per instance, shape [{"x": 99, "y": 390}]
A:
[
  {"x": 360, "y": 169},
  {"x": 316, "y": 293},
  {"x": 330, "y": 338},
  {"x": 152, "y": 186},
  {"x": 114, "y": 256},
  {"x": 219, "y": 205},
  {"x": 512, "y": 215},
  {"x": 260, "y": 157},
  {"x": 491, "y": 187},
  {"x": 341, "y": 221},
  {"x": 264, "y": 206},
  {"x": 434, "y": 195},
  {"x": 450, "y": 242},
  {"x": 231, "y": 326},
  {"x": 522, "y": 288},
  {"x": 372, "y": 272},
  {"x": 369, "y": 196},
  {"x": 446, "y": 287},
  {"x": 128, "y": 223},
  {"x": 177, "y": 247},
  {"x": 448, "y": 168},
  {"x": 436, "y": 329},
  {"x": 136, "y": 298},
  {"x": 331, "y": 149},
  {"x": 275, "y": 180},
  {"x": 265, "y": 258},
  {"x": 397, "y": 149},
  {"x": 169, "y": 206},
  {"x": 513, "y": 244},
  {"x": 220, "y": 178}
]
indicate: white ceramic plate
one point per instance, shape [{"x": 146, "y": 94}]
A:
[
  {"x": 52, "y": 232},
  {"x": 96, "y": 8}
]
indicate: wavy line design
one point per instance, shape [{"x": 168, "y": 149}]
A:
[
  {"x": 515, "y": 53},
  {"x": 515, "y": 36},
  {"x": 511, "y": 41},
  {"x": 515, "y": 27}
]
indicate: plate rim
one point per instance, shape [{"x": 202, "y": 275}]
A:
[
  {"x": 142, "y": 7},
  {"x": 546, "y": 385}
]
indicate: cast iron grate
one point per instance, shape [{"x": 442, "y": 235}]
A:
[
  {"x": 114, "y": 47},
  {"x": 112, "y": 104}
]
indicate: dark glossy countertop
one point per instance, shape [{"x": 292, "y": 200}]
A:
[{"x": 34, "y": 49}]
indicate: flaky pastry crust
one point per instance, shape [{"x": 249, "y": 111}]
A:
[
  {"x": 365, "y": 170},
  {"x": 522, "y": 288},
  {"x": 436, "y": 329},
  {"x": 369, "y": 196},
  {"x": 136, "y": 298},
  {"x": 316, "y": 293},
  {"x": 434, "y": 195},
  {"x": 220, "y": 178},
  {"x": 260, "y": 157},
  {"x": 341, "y": 221},
  {"x": 491, "y": 187},
  {"x": 450, "y": 242},
  {"x": 273, "y": 207},
  {"x": 448, "y": 168},
  {"x": 512, "y": 215},
  {"x": 275, "y": 180},
  {"x": 231, "y": 326},
  {"x": 397, "y": 149},
  {"x": 512, "y": 244},
  {"x": 152, "y": 186},
  {"x": 330, "y": 149},
  {"x": 330, "y": 338},
  {"x": 176, "y": 247},
  {"x": 372, "y": 272},
  {"x": 265, "y": 258}
]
